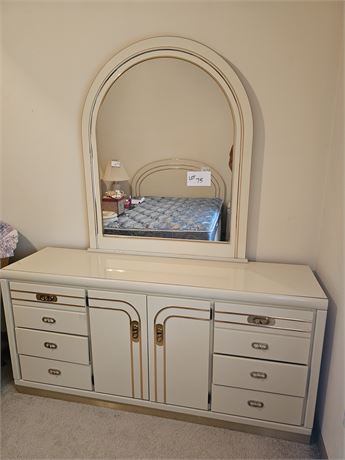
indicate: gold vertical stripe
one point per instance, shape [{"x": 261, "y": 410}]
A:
[
  {"x": 132, "y": 364},
  {"x": 141, "y": 363}
]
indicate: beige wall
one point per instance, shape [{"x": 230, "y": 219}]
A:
[
  {"x": 285, "y": 54},
  {"x": 330, "y": 268}
]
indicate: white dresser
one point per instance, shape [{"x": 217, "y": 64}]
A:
[{"x": 229, "y": 342}]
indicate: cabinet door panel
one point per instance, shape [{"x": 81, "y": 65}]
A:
[
  {"x": 179, "y": 351},
  {"x": 119, "y": 353}
]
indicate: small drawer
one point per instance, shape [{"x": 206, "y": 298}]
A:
[
  {"x": 46, "y": 294},
  {"x": 259, "y": 345},
  {"x": 257, "y": 405},
  {"x": 62, "y": 347},
  {"x": 50, "y": 320},
  {"x": 268, "y": 318},
  {"x": 255, "y": 374},
  {"x": 56, "y": 372}
]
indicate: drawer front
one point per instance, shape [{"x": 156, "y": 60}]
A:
[
  {"x": 254, "y": 374},
  {"x": 56, "y": 372},
  {"x": 46, "y": 294},
  {"x": 267, "y": 318},
  {"x": 257, "y": 405},
  {"x": 50, "y": 320},
  {"x": 62, "y": 347},
  {"x": 259, "y": 345}
]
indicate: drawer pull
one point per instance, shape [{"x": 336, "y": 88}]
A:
[
  {"x": 253, "y": 403},
  {"x": 50, "y": 345},
  {"x": 258, "y": 375},
  {"x": 260, "y": 346},
  {"x": 47, "y": 319},
  {"x": 54, "y": 371},
  {"x": 159, "y": 334},
  {"x": 135, "y": 331},
  {"x": 46, "y": 297},
  {"x": 261, "y": 320}
]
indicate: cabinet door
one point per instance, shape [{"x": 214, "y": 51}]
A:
[
  {"x": 179, "y": 341},
  {"x": 119, "y": 344}
]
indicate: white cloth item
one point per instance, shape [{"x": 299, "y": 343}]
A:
[{"x": 8, "y": 240}]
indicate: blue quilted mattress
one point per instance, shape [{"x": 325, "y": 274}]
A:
[{"x": 161, "y": 217}]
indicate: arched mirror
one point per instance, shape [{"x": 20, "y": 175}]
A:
[{"x": 167, "y": 135}]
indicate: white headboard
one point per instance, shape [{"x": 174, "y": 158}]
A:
[{"x": 169, "y": 178}]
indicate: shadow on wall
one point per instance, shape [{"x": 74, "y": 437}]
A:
[
  {"x": 326, "y": 357},
  {"x": 24, "y": 248},
  {"x": 256, "y": 168}
]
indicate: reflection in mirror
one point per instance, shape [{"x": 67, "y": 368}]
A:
[{"x": 164, "y": 136}]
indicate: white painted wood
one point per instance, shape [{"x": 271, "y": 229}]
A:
[
  {"x": 119, "y": 363},
  {"x": 315, "y": 363},
  {"x": 265, "y": 330},
  {"x": 276, "y": 324},
  {"x": 260, "y": 375},
  {"x": 277, "y": 408},
  {"x": 71, "y": 348},
  {"x": 60, "y": 300},
  {"x": 171, "y": 408},
  {"x": 5, "y": 291},
  {"x": 280, "y": 285},
  {"x": 220, "y": 70},
  {"x": 111, "y": 352},
  {"x": 157, "y": 303},
  {"x": 50, "y": 320},
  {"x": 47, "y": 289},
  {"x": 179, "y": 367},
  {"x": 47, "y": 306},
  {"x": 187, "y": 362},
  {"x": 134, "y": 299},
  {"x": 291, "y": 291},
  {"x": 242, "y": 311},
  {"x": 56, "y": 372},
  {"x": 279, "y": 348}
]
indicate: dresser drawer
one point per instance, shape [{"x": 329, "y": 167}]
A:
[
  {"x": 255, "y": 374},
  {"x": 62, "y": 347},
  {"x": 47, "y": 294},
  {"x": 260, "y": 345},
  {"x": 264, "y": 317},
  {"x": 258, "y": 405},
  {"x": 50, "y": 320},
  {"x": 56, "y": 372}
]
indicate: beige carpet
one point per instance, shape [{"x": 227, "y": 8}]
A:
[{"x": 40, "y": 428}]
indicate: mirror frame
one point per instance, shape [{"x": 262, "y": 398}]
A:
[{"x": 224, "y": 75}]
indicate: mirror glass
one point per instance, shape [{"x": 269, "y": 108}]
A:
[{"x": 164, "y": 135}]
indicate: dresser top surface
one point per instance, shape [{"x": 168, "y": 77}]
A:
[{"x": 255, "y": 277}]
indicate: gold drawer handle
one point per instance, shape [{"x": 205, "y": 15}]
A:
[
  {"x": 48, "y": 319},
  {"x": 54, "y": 371},
  {"x": 260, "y": 346},
  {"x": 159, "y": 334},
  {"x": 50, "y": 345},
  {"x": 258, "y": 375},
  {"x": 261, "y": 320},
  {"x": 135, "y": 331},
  {"x": 258, "y": 404},
  {"x": 46, "y": 297}
]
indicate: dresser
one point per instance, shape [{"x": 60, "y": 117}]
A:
[{"x": 215, "y": 341}]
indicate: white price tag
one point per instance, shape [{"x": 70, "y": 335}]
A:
[
  {"x": 115, "y": 164},
  {"x": 198, "y": 178}
]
